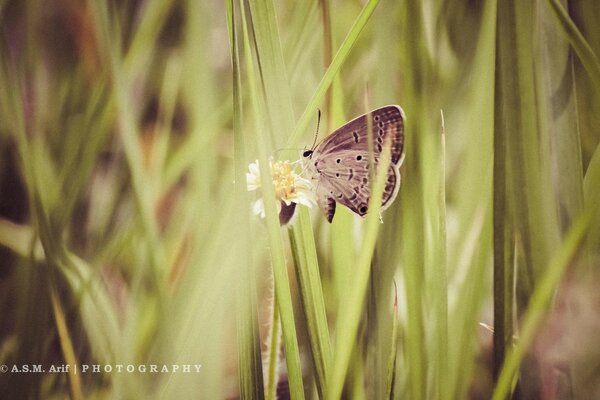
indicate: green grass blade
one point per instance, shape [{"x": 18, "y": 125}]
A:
[
  {"x": 313, "y": 304},
  {"x": 441, "y": 278},
  {"x": 283, "y": 294},
  {"x": 249, "y": 357},
  {"x": 333, "y": 69},
  {"x": 350, "y": 311},
  {"x": 503, "y": 270},
  {"x": 272, "y": 70},
  {"x": 557, "y": 93},
  {"x": 530, "y": 201},
  {"x": 66, "y": 345},
  {"x": 414, "y": 60}
]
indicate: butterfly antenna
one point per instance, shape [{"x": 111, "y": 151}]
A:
[
  {"x": 317, "y": 132},
  {"x": 308, "y": 153}
]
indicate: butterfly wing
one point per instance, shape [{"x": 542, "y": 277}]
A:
[
  {"x": 385, "y": 121},
  {"x": 341, "y": 162},
  {"x": 347, "y": 182}
]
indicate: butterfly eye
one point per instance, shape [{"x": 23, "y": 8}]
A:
[{"x": 307, "y": 153}]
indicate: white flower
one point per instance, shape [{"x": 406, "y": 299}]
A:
[{"x": 289, "y": 186}]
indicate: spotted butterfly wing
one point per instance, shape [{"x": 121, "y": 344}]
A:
[{"x": 340, "y": 163}]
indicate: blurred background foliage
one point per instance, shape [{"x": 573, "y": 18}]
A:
[{"x": 126, "y": 129}]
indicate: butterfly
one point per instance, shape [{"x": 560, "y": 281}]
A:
[{"x": 340, "y": 163}]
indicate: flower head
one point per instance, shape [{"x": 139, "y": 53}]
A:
[{"x": 290, "y": 188}]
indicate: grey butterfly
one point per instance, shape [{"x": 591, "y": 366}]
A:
[{"x": 340, "y": 163}]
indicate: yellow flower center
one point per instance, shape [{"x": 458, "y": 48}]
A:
[{"x": 283, "y": 179}]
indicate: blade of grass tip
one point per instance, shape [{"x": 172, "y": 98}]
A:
[
  {"x": 391, "y": 370},
  {"x": 66, "y": 345},
  {"x": 249, "y": 357},
  {"x": 351, "y": 311},
  {"x": 313, "y": 304},
  {"x": 584, "y": 51},
  {"x": 542, "y": 296},
  {"x": 441, "y": 276},
  {"x": 332, "y": 71}
]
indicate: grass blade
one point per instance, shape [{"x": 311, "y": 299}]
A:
[
  {"x": 350, "y": 311},
  {"x": 272, "y": 112},
  {"x": 249, "y": 359},
  {"x": 333, "y": 69},
  {"x": 441, "y": 280},
  {"x": 66, "y": 345},
  {"x": 313, "y": 304}
]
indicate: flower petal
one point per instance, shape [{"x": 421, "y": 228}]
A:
[
  {"x": 253, "y": 177},
  {"x": 258, "y": 208}
]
